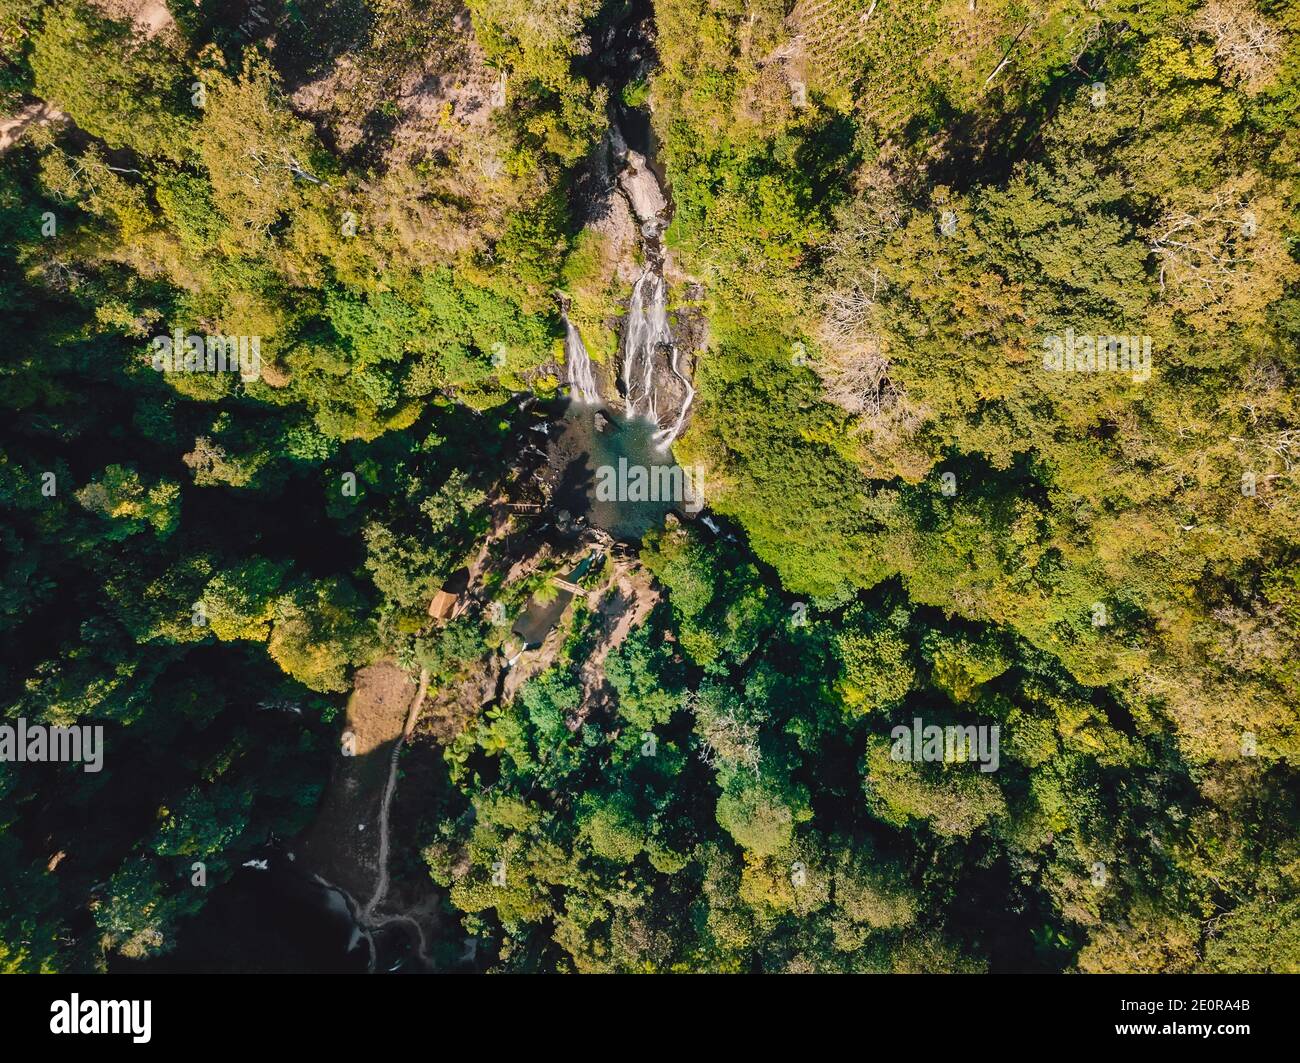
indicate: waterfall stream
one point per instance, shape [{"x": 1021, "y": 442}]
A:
[
  {"x": 653, "y": 384},
  {"x": 582, "y": 385},
  {"x": 670, "y": 434},
  {"x": 644, "y": 331},
  {"x": 645, "y": 334}
]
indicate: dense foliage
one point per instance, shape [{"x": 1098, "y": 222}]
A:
[{"x": 894, "y": 212}]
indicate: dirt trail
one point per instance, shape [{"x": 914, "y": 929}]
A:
[
  {"x": 12, "y": 128},
  {"x": 412, "y": 717},
  {"x": 349, "y": 845}
]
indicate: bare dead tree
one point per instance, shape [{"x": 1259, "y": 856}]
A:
[
  {"x": 856, "y": 378},
  {"x": 1248, "y": 46},
  {"x": 1007, "y": 57},
  {"x": 725, "y": 737},
  {"x": 848, "y": 310},
  {"x": 1203, "y": 246},
  {"x": 1263, "y": 379},
  {"x": 1285, "y": 444}
]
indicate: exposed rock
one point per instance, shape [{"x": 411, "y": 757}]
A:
[
  {"x": 642, "y": 188},
  {"x": 638, "y": 181},
  {"x": 607, "y": 213},
  {"x": 616, "y": 223}
]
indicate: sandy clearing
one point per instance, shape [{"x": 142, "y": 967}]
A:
[{"x": 150, "y": 17}]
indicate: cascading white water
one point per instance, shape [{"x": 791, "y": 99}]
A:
[
  {"x": 666, "y": 436},
  {"x": 646, "y": 330},
  {"x": 582, "y": 385}
]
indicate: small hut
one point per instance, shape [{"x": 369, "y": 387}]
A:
[{"x": 443, "y": 605}]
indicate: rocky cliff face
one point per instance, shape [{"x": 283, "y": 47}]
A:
[{"x": 638, "y": 183}]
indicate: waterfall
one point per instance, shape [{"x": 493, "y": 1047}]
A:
[
  {"x": 667, "y": 435},
  {"x": 645, "y": 332},
  {"x": 645, "y": 329},
  {"x": 582, "y": 385}
]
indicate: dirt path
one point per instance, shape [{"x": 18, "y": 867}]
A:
[
  {"x": 412, "y": 717},
  {"x": 349, "y": 845},
  {"x": 12, "y": 128},
  {"x": 342, "y": 845}
]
